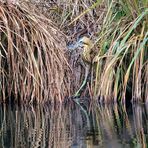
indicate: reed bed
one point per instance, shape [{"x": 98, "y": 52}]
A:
[
  {"x": 119, "y": 31},
  {"x": 122, "y": 60},
  {"x": 33, "y": 67}
]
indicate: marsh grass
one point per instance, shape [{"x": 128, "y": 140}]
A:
[
  {"x": 119, "y": 29},
  {"x": 121, "y": 67},
  {"x": 33, "y": 66}
]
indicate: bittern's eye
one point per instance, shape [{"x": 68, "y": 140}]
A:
[{"x": 83, "y": 43}]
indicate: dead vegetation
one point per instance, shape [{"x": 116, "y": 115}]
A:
[{"x": 33, "y": 66}]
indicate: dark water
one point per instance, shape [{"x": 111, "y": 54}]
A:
[{"x": 63, "y": 127}]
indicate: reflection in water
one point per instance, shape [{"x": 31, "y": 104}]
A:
[{"x": 63, "y": 127}]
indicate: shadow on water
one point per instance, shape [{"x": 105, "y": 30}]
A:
[{"x": 44, "y": 126}]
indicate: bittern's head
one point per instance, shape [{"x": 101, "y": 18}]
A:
[{"x": 84, "y": 42}]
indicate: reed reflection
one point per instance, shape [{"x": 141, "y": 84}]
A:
[{"x": 63, "y": 127}]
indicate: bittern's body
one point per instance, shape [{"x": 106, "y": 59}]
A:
[{"x": 86, "y": 45}]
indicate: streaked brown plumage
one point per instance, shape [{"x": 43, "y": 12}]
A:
[{"x": 86, "y": 44}]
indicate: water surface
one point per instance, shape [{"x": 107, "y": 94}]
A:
[{"x": 109, "y": 126}]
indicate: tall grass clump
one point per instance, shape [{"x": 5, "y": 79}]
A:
[
  {"x": 122, "y": 59},
  {"x": 33, "y": 66}
]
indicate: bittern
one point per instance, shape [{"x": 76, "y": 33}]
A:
[{"x": 86, "y": 44}]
